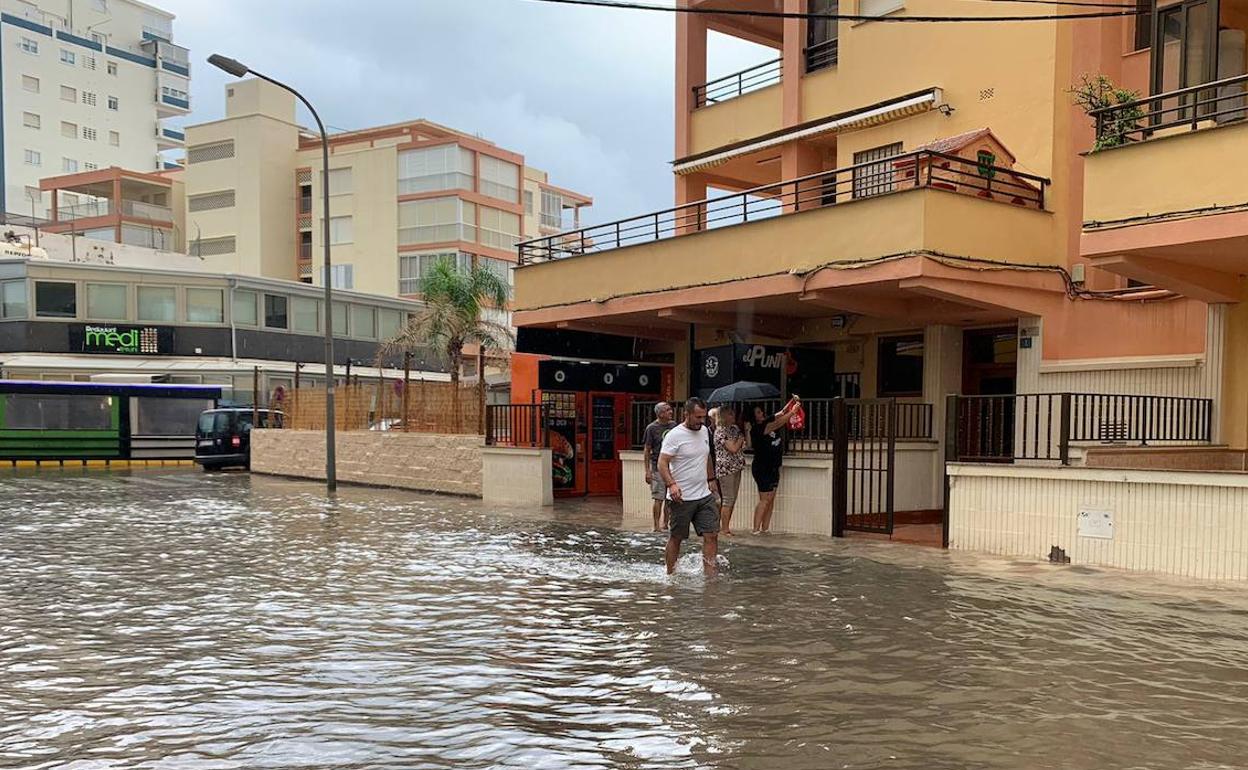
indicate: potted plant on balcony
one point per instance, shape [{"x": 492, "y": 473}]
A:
[{"x": 1099, "y": 92}]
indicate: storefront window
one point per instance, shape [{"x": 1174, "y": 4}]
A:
[{"x": 56, "y": 299}]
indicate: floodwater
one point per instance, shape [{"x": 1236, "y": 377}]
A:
[{"x": 178, "y": 620}]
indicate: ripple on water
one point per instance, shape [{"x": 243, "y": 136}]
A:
[{"x": 175, "y": 620}]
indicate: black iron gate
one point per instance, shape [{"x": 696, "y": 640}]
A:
[{"x": 863, "y": 480}]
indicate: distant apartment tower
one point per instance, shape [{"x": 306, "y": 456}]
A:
[
  {"x": 402, "y": 196},
  {"x": 87, "y": 84}
]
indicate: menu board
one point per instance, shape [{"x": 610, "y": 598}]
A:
[{"x": 562, "y": 428}]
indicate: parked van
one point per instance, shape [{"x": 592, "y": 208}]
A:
[{"x": 223, "y": 436}]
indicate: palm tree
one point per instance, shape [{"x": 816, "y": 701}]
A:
[{"x": 452, "y": 317}]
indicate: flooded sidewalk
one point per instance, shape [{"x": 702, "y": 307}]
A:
[{"x": 181, "y": 620}]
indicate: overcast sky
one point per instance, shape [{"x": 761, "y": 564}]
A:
[{"x": 584, "y": 93}]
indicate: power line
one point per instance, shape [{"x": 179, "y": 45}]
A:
[
  {"x": 1076, "y": 3},
  {"x": 636, "y": 6}
]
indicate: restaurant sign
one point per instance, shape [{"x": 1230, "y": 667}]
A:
[{"x": 121, "y": 340}]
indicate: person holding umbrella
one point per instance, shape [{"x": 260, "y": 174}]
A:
[{"x": 767, "y": 440}]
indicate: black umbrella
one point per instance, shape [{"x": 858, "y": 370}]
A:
[{"x": 743, "y": 391}]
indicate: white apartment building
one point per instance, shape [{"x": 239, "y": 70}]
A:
[{"x": 87, "y": 84}]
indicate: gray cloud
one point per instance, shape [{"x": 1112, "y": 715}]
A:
[{"x": 585, "y": 94}]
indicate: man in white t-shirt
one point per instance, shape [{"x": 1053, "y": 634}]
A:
[{"x": 686, "y": 469}]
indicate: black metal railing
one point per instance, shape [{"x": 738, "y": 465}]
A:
[
  {"x": 921, "y": 169},
  {"x": 1220, "y": 101},
  {"x": 822, "y": 55},
  {"x": 738, "y": 83},
  {"x": 1044, "y": 426},
  {"x": 517, "y": 425}
]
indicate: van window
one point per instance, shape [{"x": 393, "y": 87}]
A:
[{"x": 214, "y": 422}]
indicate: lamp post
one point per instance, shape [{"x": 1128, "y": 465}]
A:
[{"x": 238, "y": 70}]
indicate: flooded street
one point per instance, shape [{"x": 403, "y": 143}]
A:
[{"x": 178, "y": 620}]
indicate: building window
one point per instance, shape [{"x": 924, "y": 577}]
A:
[
  {"x": 210, "y": 201},
  {"x": 31, "y": 120},
  {"x": 112, "y": 68},
  {"x": 901, "y": 366},
  {"x": 113, "y": 103},
  {"x": 340, "y": 319},
  {"x": 340, "y": 231},
  {"x": 157, "y": 303},
  {"x": 499, "y": 229},
  {"x": 13, "y": 299},
  {"x": 173, "y": 93},
  {"x": 874, "y": 172},
  {"x": 363, "y": 322},
  {"x": 500, "y": 268},
  {"x": 445, "y": 167},
  {"x": 437, "y": 220},
  {"x": 69, "y": 165},
  {"x": 69, "y": 94},
  {"x": 114, "y": 138},
  {"x": 106, "y": 301},
  {"x": 34, "y": 158},
  {"x": 67, "y": 57},
  {"x": 88, "y": 98},
  {"x": 342, "y": 276},
  {"x": 88, "y": 62},
  {"x": 879, "y": 7},
  {"x": 205, "y": 306},
  {"x": 552, "y": 209},
  {"x": 89, "y": 166},
  {"x": 822, "y": 45},
  {"x": 30, "y": 83},
  {"x": 97, "y": 37},
  {"x": 245, "y": 308},
  {"x": 56, "y": 299},
  {"x": 275, "y": 311},
  {"x": 500, "y": 179},
  {"x": 413, "y": 267},
  {"x": 203, "y": 153},
  {"x": 528, "y": 202},
  {"x": 339, "y": 181},
  {"x": 388, "y": 324},
  {"x": 89, "y": 134},
  {"x": 1143, "y": 24},
  {"x": 305, "y": 315},
  {"x": 30, "y": 46},
  {"x": 69, "y": 130}
]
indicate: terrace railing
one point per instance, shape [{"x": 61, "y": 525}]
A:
[
  {"x": 1044, "y": 426},
  {"x": 922, "y": 169},
  {"x": 517, "y": 425},
  {"x": 822, "y": 55},
  {"x": 1219, "y": 101},
  {"x": 737, "y": 84}
]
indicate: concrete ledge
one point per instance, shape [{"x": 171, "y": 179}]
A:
[
  {"x": 517, "y": 477},
  {"x": 1228, "y": 479}
]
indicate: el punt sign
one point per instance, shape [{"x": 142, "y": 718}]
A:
[{"x": 121, "y": 340}]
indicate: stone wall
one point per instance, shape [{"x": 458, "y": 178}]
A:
[{"x": 420, "y": 461}]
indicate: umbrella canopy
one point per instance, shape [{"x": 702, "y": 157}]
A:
[{"x": 743, "y": 391}]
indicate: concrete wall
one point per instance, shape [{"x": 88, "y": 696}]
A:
[
  {"x": 517, "y": 477},
  {"x": 419, "y": 461},
  {"x": 804, "y": 501},
  {"x": 1192, "y": 524}
]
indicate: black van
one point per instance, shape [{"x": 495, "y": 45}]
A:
[{"x": 223, "y": 436}]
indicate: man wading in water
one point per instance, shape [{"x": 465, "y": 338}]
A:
[{"x": 686, "y": 469}]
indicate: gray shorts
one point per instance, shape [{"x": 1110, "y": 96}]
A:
[
  {"x": 658, "y": 490},
  {"x": 703, "y": 514}
]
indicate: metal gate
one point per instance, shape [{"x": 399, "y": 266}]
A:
[{"x": 865, "y": 443}]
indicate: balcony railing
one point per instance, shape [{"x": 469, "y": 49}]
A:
[
  {"x": 1217, "y": 102},
  {"x": 822, "y": 55},
  {"x": 922, "y": 169},
  {"x": 141, "y": 210},
  {"x": 100, "y": 208},
  {"x": 517, "y": 425},
  {"x": 738, "y": 83}
]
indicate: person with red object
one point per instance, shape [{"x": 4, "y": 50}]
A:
[{"x": 767, "y": 441}]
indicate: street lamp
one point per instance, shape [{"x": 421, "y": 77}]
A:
[{"x": 238, "y": 70}]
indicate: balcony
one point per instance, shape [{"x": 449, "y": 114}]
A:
[
  {"x": 169, "y": 138},
  {"x": 171, "y": 101},
  {"x": 737, "y": 84},
  {"x": 1166, "y": 190},
  {"x": 91, "y": 210},
  {"x": 149, "y": 211},
  {"x": 920, "y": 203}
]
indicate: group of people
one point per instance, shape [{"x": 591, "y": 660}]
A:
[{"x": 694, "y": 470}]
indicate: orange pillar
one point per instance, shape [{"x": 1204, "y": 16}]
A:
[
  {"x": 799, "y": 159},
  {"x": 793, "y": 63},
  {"x": 690, "y": 72}
]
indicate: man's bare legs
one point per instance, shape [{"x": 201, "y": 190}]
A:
[
  {"x": 710, "y": 552},
  {"x": 673, "y": 552}
]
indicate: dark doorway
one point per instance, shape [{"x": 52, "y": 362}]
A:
[{"x": 990, "y": 362}]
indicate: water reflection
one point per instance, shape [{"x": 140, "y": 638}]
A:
[{"x": 185, "y": 621}]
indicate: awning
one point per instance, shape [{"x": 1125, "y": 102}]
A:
[{"x": 875, "y": 115}]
